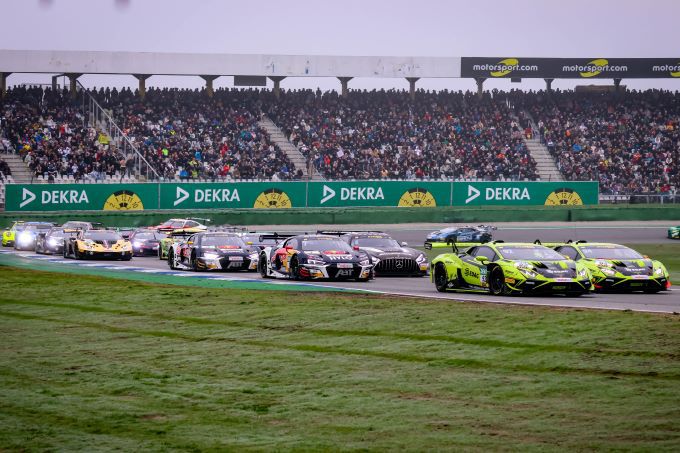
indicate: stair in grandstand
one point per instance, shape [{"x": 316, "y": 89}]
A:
[
  {"x": 545, "y": 164},
  {"x": 21, "y": 174},
  {"x": 294, "y": 154}
]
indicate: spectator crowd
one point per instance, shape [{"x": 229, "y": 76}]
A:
[{"x": 628, "y": 141}]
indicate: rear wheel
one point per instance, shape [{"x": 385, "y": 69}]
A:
[
  {"x": 193, "y": 263},
  {"x": 441, "y": 279},
  {"x": 497, "y": 283}
]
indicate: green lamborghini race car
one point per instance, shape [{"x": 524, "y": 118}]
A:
[
  {"x": 616, "y": 267},
  {"x": 508, "y": 269}
]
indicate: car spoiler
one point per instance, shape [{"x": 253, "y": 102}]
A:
[
  {"x": 342, "y": 233},
  {"x": 204, "y": 220},
  {"x": 275, "y": 236},
  {"x": 442, "y": 245}
]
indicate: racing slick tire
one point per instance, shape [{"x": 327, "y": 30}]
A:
[
  {"x": 160, "y": 254},
  {"x": 294, "y": 268},
  {"x": 171, "y": 259},
  {"x": 440, "y": 278},
  {"x": 262, "y": 266},
  {"x": 497, "y": 284},
  {"x": 193, "y": 264},
  {"x": 78, "y": 255}
]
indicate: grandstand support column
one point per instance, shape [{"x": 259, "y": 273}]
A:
[
  {"x": 142, "y": 84},
  {"x": 55, "y": 80},
  {"x": 412, "y": 86},
  {"x": 277, "y": 85},
  {"x": 617, "y": 85},
  {"x": 480, "y": 85},
  {"x": 3, "y": 83},
  {"x": 73, "y": 83},
  {"x": 343, "y": 82},
  {"x": 209, "y": 84},
  {"x": 548, "y": 85}
]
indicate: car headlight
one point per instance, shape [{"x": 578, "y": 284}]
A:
[
  {"x": 24, "y": 237},
  {"x": 88, "y": 243},
  {"x": 138, "y": 243},
  {"x": 53, "y": 242},
  {"x": 602, "y": 263},
  {"x": 583, "y": 272},
  {"x": 211, "y": 256},
  {"x": 421, "y": 259},
  {"x": 658, "y": 271}
]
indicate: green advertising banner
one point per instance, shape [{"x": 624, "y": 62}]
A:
[
  {"x": 262, "y": 195},
  {"x": 275, "y": 195},
  {"x": 516, "y": 193},
  {"x": 81, "y": 197},
  {"x": 378, "y": 193}
]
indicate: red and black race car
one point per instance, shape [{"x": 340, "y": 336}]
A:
[
  {"x": 213, "y": 251},
  {"x": 314, "y": 256}
]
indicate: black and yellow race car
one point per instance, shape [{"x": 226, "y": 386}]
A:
[{"x": 97, "y": 244}]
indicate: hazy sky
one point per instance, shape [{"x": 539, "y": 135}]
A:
[{"x": 496, "y": 28}]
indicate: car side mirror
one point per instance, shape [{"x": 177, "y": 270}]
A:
[
  {"x": 404, "y": 244},
  {"x": 355, "y": 247},
  {"x": 249, "y": 243},
  {"x": 289, "y": 247},
  {"x": 190, "y": 242},
  {"x": 481, "y": 258}
]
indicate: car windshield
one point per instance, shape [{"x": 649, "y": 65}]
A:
[
  {"x": 61, "y": 234},
  {"x": 150, "y": 235},
  {"x": 37, "y": 227},
  {"x": 376, "y": 242},
  {"x": 530, "y": 253},
  {"x": 102, "y": 235},
  {"x": 217, "y": 241},
  {"x": 20, "y": 227},
  {"x": 610, "y": 252},
  {"x": 323, "y": 245},
  {"x": 173, "y": 224}
]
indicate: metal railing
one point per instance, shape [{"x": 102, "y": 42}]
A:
[{"x": 100, "y": 119}]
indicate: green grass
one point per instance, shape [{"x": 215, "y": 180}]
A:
[{"x": 92, "y": 363}]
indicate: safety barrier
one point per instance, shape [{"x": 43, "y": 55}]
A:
[{"x": 311, "y": 216}]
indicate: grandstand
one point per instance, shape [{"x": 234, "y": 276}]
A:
[{"x": 628, "y": 141}]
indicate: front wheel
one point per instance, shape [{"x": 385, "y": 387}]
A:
[
  {"x": 497, "y": 283},
  {"x": 294, "y": 268},
  {"x": 262, "y": 266},
  {"x": 441, "y": 279},
  {"x": 171, "y": 259}
]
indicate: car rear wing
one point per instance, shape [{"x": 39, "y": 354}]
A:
[
  {"x": 443, "y": 245},
  {"x": 342, "y": 233}
]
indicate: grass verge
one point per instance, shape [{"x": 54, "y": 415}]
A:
[{"x": 93, "y": 363}]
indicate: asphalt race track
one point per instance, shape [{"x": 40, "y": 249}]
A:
[{"x": 635, "y": 232}]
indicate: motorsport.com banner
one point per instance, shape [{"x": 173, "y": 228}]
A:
[{"x": 570, "y": 68}]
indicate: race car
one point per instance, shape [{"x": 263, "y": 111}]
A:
[
  {"x": 508, "y": 269},
  {"x": 176, "y": 224},
  {"x": 25, "y": 238},
  {"x": 173, "y": 237},
  {"x": 52, "y": 241},
  {"x": 389, "y": 257},
  {"x": 464, "y": 234},
  {"x": 213, "y": 251},
  {"x": 145, "y": 241},
  {"x": 674, "y": 232},
  {"x": 97, "y": 244},
  {"x": 314, "y": 256},
  {"x": 616, "y": 267},
  {"x": 9, "y": 234}
]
